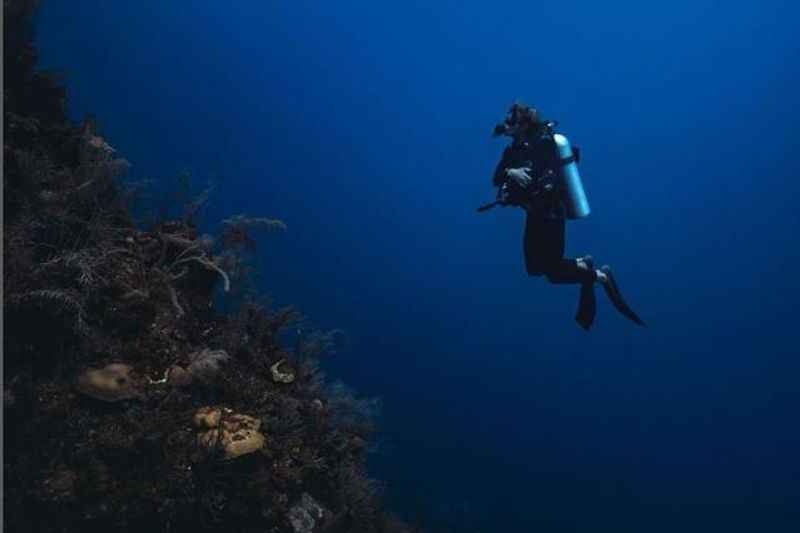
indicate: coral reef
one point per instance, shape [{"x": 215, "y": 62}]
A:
[
  {"x": 111, "y": 383},
  {"x": 236, "y": 433},
  {"x": 130, "y": 402}
]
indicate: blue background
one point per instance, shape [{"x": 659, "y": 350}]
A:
[{"x": 365, "y": 127}]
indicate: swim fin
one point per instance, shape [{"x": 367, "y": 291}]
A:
[
  {"x": 614, "y": 294},
  {"x": 587, "y": 302},
  {"x": 587, "y": 306}
]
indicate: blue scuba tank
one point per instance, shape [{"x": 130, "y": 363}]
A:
[{"x": 575, "y": 201}]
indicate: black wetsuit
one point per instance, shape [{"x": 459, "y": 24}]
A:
[{"x": 544, "y": 238}]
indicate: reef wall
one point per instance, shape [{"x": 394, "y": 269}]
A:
[{"x": 130, "y": 402}]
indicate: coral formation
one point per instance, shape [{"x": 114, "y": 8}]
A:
[
  {"x": 116, "y": 444},
  {"x": 205, "y": 364},
  {"x": 111, "y": 383},
  {"x": 281, "y": 376},
  {"x": 305, "y": 514},
  {"x": 236, "y": 433}
]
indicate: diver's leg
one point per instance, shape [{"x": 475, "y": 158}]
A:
[
  {"x": 539, "y": 244},
  {"x": 543, "y": 243},
  {"x": 547, "y": 237},
  {"x": 571, "y": 271}
]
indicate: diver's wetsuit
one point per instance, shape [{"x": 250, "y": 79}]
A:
[{"x": 545, "y": 222}]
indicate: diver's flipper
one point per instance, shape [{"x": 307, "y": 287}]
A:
[
  {"x": 587, "y": 306},
  {"x": 587, "y": 303},
  {"x": 612, "y": 290}
]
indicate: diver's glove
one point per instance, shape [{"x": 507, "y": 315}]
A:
[{"x": 520, "y": 176}]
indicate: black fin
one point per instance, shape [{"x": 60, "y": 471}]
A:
[
  {"x": 587, "y": 306},
  {"x": 614, "y": 294},
  {"x": 587, "y": 302}
]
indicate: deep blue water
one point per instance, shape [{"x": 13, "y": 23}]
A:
[{"x": 365, "y": 127}]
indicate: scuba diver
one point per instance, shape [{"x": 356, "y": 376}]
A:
[{"x": 539, "y": 173}]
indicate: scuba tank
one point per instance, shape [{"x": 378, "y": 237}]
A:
[{"x": 575, "y": 201}]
